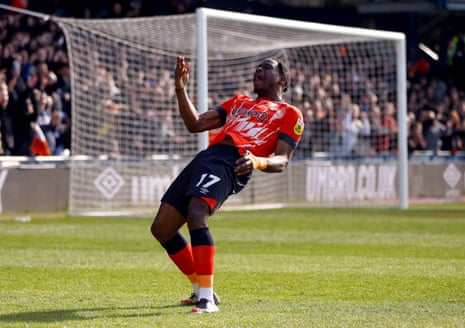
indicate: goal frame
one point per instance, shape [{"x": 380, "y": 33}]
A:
[{"x": 401, "y": 72}]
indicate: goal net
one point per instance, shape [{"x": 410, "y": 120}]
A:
[{"x": 129, "y": 142}]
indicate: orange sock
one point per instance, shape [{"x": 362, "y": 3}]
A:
[
  {"x": 203, "y": 252},
  {"x": 193, "y": 278},
  {"x": 184, "y": 261},
  {"x": 205, "y": 281},
  {"x": 204, "y": 260},
  {"x": 180, "y": 252}
]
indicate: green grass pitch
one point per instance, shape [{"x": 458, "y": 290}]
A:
[{"x": 296, "y": 267}]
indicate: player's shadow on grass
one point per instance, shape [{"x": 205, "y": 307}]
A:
[{"x": 49, "y": 316}]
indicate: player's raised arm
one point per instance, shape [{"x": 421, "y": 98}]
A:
[{"x": 194, "y": 121}]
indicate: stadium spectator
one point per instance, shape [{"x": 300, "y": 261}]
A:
[
  {"x": 319, "y": 126},
  {"x": 456, "y": 59},
  {"x": 354, "y": 126},
  {"x": 359, "y": 134},
  {"x": 416, "y": 140},
  {"x": 369, "y": 101},
  {"x": 385, "y": 128},
  {"x": 223, "y": 168},
  {"x": 7, "y": 140},
  {"x": 452, "y": 140},
  {"x": 331, "y": 125},
  {"x": 56, "y": 133},
  {"x": 434, "y": 134},
  {"x": 45, "y": 109}
]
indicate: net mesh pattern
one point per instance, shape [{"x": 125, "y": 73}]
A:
[{"x": 125, "y": 112}]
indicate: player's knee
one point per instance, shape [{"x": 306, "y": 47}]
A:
[
  {"x": 161, "y": 233},
  {"x": 156, "y": 232}
]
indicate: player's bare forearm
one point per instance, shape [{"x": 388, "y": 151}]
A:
[
  {"x": 187, "y": 110},
  {"x": 193, "y": 121},
  {"x": 274, "y": 163},
  {"x": 249, "y": 162}
]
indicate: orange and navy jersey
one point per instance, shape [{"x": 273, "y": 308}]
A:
[{"x": 257, "y": 124}]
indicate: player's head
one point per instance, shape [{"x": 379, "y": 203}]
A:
[{"x": 271, "y": 78}]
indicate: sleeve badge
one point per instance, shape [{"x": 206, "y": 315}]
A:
[{"x": 299, "y": 127}]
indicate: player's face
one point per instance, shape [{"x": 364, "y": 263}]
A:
[{"x": 266, "y": 76}]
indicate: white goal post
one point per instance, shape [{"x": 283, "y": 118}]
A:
[{"x": 128, "y": 141}]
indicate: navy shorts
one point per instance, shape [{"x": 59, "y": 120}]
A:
[{"x": 209, "y": 176}]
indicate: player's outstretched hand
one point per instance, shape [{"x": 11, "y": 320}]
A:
[{"x": 181, "y": 73}]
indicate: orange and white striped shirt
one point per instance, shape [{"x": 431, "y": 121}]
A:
[{"x": 257, "y": 124}]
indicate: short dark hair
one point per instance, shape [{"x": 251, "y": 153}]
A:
[{"x": 284, "y": 72}]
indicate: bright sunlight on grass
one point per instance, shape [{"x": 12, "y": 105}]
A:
[{"x": 305, "y": 267}]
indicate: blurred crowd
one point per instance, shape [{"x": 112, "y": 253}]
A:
[
  {"x": 35, "y": 91},
  {"x": 436, "y": 103},
  {"x": 34, "y": 87},
  {"x": 362, "y": 121}
]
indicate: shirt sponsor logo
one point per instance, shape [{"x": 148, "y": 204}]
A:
[{"x": 261, "y": 116}]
